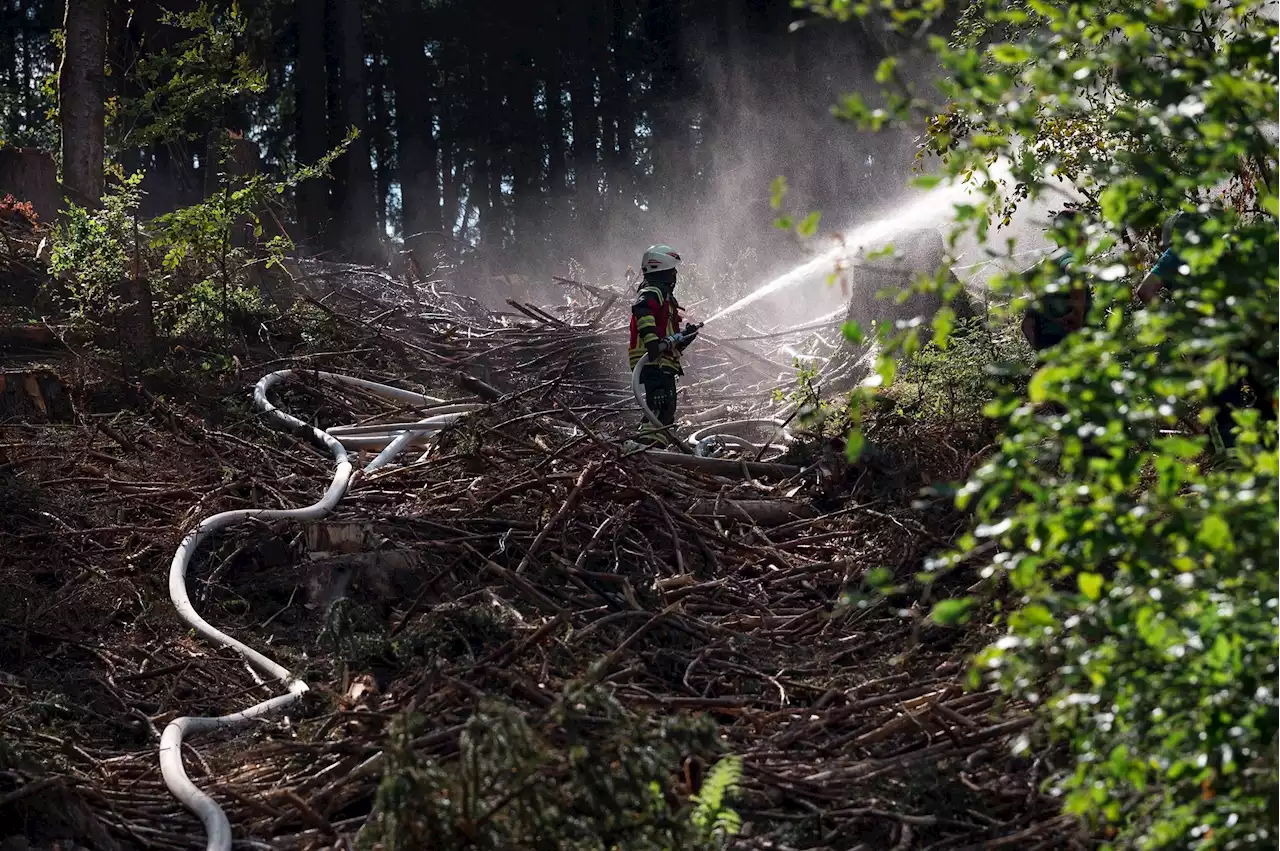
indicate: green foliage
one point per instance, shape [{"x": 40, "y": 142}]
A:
[
  {"x": 805, "y": 394},
  {"x": 200, "y": 274},
  {"x": 193, "y": 84},
  {"x": 953, "y": 378},
  {"x": 200, "y": 277},
  {"x": 352, "y": 634},
  {"x": 91, "y": 252},
  {"x": 806, "y": 227},
  {"x": 711, "y": 816},
  {"x": 1144, "y": 565},
  {"x": 588, "y": 775}
]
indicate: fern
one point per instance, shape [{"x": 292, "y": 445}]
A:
[{"x": 713, "y": 819}]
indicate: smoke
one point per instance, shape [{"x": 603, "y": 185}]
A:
[
  {"x": 760, "y": 108},
  {"x": 758, "y": 105}
]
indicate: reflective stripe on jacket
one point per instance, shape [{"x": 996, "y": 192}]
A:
[{"x": 655, "y": 315}]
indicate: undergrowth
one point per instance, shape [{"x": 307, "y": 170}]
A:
[{"x": 587, "y": 776}]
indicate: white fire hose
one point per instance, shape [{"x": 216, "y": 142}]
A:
[
  {"x": 395, "y": 438},
  {"x": 392, "y": 439}
]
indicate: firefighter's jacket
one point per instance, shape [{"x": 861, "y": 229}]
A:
[{"x": 655, "y": 315}]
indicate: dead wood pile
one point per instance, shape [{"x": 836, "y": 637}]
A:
[{"x": 521, "y": 552}]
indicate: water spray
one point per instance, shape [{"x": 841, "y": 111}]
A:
[{"x": 931, "y": 208}]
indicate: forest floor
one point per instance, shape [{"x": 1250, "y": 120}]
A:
[{"x": 525, "y": 552}]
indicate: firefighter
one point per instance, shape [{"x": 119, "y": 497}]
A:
[
  {"x": 655, "y": 330},
  {"x": 1063, "y": 312},
  {"x": 1167, "y": 278}
]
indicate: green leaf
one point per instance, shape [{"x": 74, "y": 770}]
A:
[
  {"x": 1034, "y": 616},
  {"x": 886, "y": 69},
  {"x": 854, "y": 446},
  {"x": 887, "y": 369},
  {"x": 1009, "y": 54},
  {"x": 879, "y": 577},
  {"x": 926, "y": 181},
  {"x": 1215, "y": 533},
  {"x": 1115, "y": 203},
  {"x": 783, "y": 223},
  {"x": 942, "y": 325},
  {"x": 955, "y": 611},
  {"x": 777, "y": 191},
  {"x": 808, "y": 226},
  {"x": 1038, "y": 390},
  {"x": 1090, "y": 585},
  {"x": 852, "y": 332}
]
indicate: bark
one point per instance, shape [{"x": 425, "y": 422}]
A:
[
  {"x": 526, "y": 148},
  {"x": 82, "y": 100},
  {"x": 28, "y": 77},
  {"x": 311, "y": 81},
  {"x": 555, "y": 113},
  {"x": 10, "y": 34},
  {"x": 359, "y": 237},
  {"x": 385, "y": 169},
  {"x": 491, "y": 164},
  {"x": 451, "y": 170},
  {"x": 31, "y": 175},
  {"x": 413, "y": 76},
  {"x": 585, "y": 119},
  {"x": 624, "y": 120},
  {"x": 673, "y": 90},
  {"x": 763, "y": 512}
]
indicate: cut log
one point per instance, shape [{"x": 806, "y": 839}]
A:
[
  {"x": 35, "y": 336},
  {"x": 763, "y": 512},
  {"x": 724, "y": 466}
]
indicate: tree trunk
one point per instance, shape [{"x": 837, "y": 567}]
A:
[
  {"x": 670, "y": 92},
  {"x": 492, "y": 219},
  {"x": 10, "y": 27},
  {"x": 82, "y": 100},
  {"x": 413, "y": 77},
  {"x": 381, "y": 138},
  {"x": 585, "y": 119},
  {"x": 554, "y": 64},
  {"x": 623, "y": 116},
  {"x": 310, "y": 85},
  {"x": 451, "y": 169},
  {"x": 28, "y": 82},
  {"x": 359, "y": 236},
  {"x": 526, "y": 149}
]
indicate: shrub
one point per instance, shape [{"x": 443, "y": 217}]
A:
[
  {"x": 589, "y": 775},
  {"x": 1138, "y": 567}
]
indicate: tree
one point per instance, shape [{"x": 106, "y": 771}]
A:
[
  {"x": 358, "y": 214},
  {"x": 413, "y": 76},
  {"x": 1137, "y": 561},
  {"x": 310, "y": 84},
  {"x": 82, "y": 99}
]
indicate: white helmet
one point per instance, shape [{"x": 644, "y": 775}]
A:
[{"x": 659, "y": 258}]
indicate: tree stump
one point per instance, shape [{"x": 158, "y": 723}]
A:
[
  {"x": 31, "y": 175},
  {"x": 33, "y": 395}
]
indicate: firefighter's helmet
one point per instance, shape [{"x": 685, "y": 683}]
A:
[
  {"x": 1180, "y": 224},
  {"x": 659, "y": 258}
]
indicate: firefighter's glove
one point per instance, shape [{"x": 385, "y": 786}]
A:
[
  {"x": 653, "y": 348},
  {"x": 689, "y": 334}
]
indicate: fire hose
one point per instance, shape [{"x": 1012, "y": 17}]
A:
[{"x": 394, "y": 438}]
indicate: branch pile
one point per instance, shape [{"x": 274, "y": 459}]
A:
[{"x": 519, "y": 553}]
